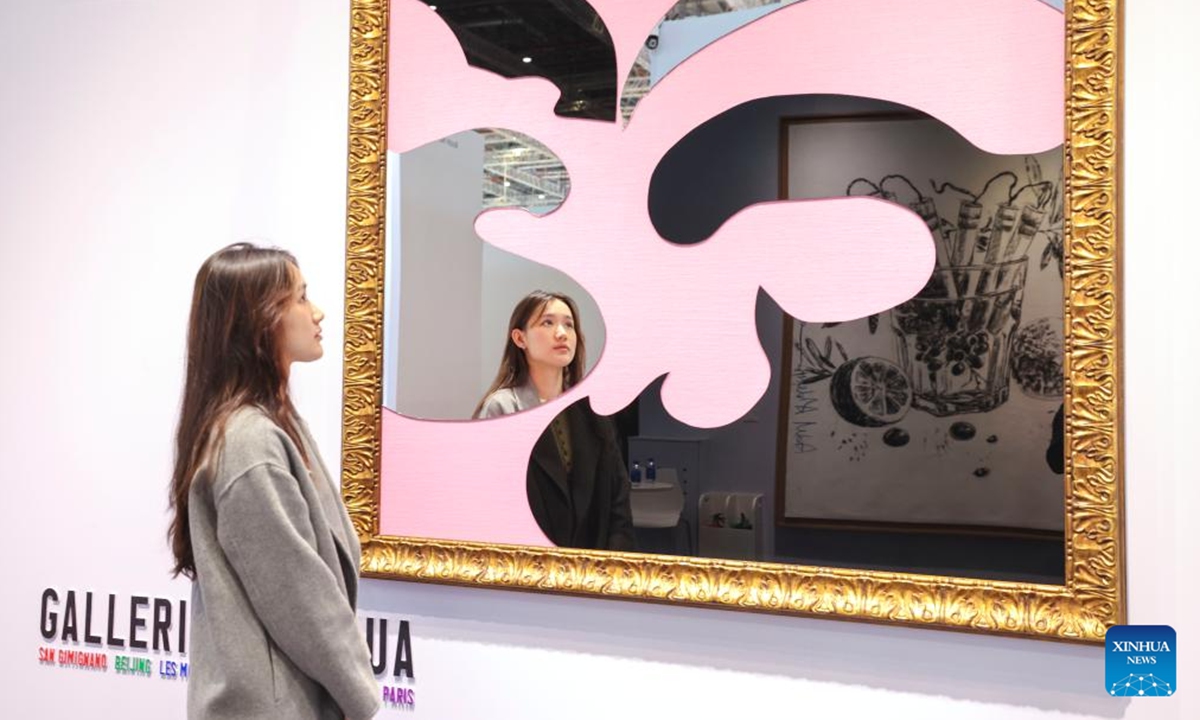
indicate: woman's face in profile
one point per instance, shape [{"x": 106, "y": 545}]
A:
[
  {"x": 549, "y": 337},
  {"x": 300, "y": 328}
]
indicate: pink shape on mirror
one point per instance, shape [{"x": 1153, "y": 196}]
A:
[
  {"x": 689, "y": 310},
  {"x": 991, "y": 69},
  {"x": 434, "y": 92},
  {"x": 459, "y": 480}
]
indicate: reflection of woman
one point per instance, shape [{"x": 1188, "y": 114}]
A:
[
  {"x": 258, "y": 523},
  {"x": 576, "y": 481}
]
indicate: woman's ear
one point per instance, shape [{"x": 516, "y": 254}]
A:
[{"x": 518, "y": 338}]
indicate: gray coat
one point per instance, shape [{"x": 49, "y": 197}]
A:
[
  {"x": 274, "y": 634},
  {"x": 507, "y": 401}
]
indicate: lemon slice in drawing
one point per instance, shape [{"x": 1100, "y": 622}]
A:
[{"x": 870, "y": 392}]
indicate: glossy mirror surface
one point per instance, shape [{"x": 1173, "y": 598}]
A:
[{"x": 743, "y": 416}]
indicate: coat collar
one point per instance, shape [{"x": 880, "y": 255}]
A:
[
  {"x": 545, "y": 456},
  {"x": 585, "y": 453},
  {"x": 527, "y": 396},
  {"x": 345, "y": 538}
]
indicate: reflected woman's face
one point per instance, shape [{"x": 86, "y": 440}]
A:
[{"x": 549, "y": 337}]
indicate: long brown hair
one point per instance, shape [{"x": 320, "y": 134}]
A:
[
  {"x": 514, "y": 366},
  {"x": 234, "y": 359}
]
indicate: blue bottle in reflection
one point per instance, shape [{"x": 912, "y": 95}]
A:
[
  {"x": 651, "y": 470},
  {"x": 635, "y": 473}
]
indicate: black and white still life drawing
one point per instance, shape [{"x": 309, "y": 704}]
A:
[{"x": 942, "y": 410}]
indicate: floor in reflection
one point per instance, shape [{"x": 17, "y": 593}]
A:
[{"x": 951, "y": 554}]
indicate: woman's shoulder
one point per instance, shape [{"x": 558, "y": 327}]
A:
[
  {"x": 252, "y": 437},
  {"x": 507, "y": 401},
  {"x": 249, "y": 421},
  {"x": 501, "y": 402}
]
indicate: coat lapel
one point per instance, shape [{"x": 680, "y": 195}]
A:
[
  {"x": 545, "y": 454},
  {"x": 527, "y": 397},
  {"x": 345, "y": 542},
  {"x": 545, "y": 451},
  {"x": 583, "y": 471}
]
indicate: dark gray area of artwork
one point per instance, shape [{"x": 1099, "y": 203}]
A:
[{"x": 720, "y": 168}]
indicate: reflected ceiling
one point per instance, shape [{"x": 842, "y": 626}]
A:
[{"x": 565, "y": 42}]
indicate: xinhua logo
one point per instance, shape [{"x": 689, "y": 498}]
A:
[{"x": 1140, "y": 661}]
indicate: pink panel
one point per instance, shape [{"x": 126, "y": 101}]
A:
[
  {"x": 435, "y": 94},
  {"x": 990, "y": 68},
  {"x": 689, "y": 310},
  {"x": 460, "y": 481}
]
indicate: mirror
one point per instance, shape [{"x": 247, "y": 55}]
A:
[
  {"x": 825, "y": 341},
  {"x": 449, "y": 294}
]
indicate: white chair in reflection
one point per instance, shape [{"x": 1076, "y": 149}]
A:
[{"x": 658, "y": 505}]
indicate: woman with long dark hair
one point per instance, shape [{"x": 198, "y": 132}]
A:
[
  {"x": 544, "y": 355},
  {"x": 257, "y": 522},
  {"x": 576, "y": 481}
]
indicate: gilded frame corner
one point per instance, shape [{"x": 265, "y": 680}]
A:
[{"x": 1093, "y": 597}]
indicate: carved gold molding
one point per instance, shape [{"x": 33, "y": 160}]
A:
[
  {"x": 366, "y": 194},
  {"x": 1093, "y": 596}
]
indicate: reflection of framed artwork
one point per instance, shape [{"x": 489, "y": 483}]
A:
[
  {"x": 940, "y": 412},
  {"x": 444, "y": 501}
]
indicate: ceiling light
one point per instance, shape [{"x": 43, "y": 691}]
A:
[
  {"x": 541, "y": 196},
  {"x": 507, "y": 183},
  {"x": 433, "y": 8},
  {"x": 526, "y": 59}
]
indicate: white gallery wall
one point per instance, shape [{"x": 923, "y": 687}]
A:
[
  {"x": 438, "y": 328},
  {"x": 140, "y": 135}
]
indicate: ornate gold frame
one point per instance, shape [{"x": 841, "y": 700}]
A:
[{"x": 1081, "y": 610}]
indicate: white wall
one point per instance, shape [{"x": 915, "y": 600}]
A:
[
  {"x": 138, "y": 137},
  {"x": 448, "y": 300},
  {"x": 440, "y": 278},
  {"x": 141, "y": 135}
]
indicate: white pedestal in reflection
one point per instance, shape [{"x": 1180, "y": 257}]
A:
[{"x": 731, "y": 525}]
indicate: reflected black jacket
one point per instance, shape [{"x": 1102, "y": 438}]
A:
[{"x": 589, "y": 508}]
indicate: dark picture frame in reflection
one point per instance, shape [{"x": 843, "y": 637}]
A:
[
  {"x": 941, "y": 415},
  {"x": 441, "y": 540}
]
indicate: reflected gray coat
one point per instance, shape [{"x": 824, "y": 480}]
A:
[
  {"x": 507, "y": 401},
  {"x": 274, "y": 634}
]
